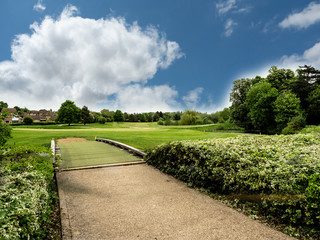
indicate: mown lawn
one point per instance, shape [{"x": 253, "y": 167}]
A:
[{"x": 140, "y": 135}]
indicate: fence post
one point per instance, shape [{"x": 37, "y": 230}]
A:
[{"x": 53, "y": 147}]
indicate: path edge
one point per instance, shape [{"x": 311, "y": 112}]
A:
[{"x": 66, "y": 232}]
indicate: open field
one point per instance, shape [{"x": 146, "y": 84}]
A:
[{"x": 139, "y": 135}]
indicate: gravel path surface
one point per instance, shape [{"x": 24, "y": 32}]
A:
[{"x": 140, "y": 202}]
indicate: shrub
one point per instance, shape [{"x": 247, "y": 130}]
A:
[
  {"x": 28, "y": 120},
  {"x": 26, "y": 192},
  {"x": 5, "y": 132},
  {"x": 296, "y": 124},
  {"x": 101, "y": 120}
]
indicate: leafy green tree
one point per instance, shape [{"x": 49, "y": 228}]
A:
[
  {"x": 85, "y": 115},
  {"x": 28, "y": 120},
  {"x": 68, "y": 113},
  {"x": 280, "y": 79},
  {"x": 102, "y": 120},
  {"x": 308, "y": 80},
  {"x": 19, "y": 110},
  {"x": 5, "y": 132},
  {"x": 3, "y": 105},
  {"x": 224, "y": 115},
  {"x": 286, "y": 106},
  {"x": 118, "y": 116},
  {"x": 259, "y": 101},
  {"x": 239, "y": 110},
  {"x": 108, "y": 115},
  {"x": 189, "y": 117},
  {"x": 314, "y": 106}
]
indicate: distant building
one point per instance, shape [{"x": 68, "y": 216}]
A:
[{"x": 42, "y": 115}]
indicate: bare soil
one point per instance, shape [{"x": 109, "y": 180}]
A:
[{"x": 72, "y": 140}]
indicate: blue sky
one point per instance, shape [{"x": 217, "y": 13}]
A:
[{"x": 143, "y": 55}]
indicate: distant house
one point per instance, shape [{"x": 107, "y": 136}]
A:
[{"x": 42, "y": 115}]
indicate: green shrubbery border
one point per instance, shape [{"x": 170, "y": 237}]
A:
[
  {"x": 26, "y": 193},
  {"x": 282, "y": 170}
]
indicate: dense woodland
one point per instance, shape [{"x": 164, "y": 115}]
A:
[{"x": 284, "y": 101}]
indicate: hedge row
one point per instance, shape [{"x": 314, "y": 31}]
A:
[
  {"x": 282, "y": 173},
  {"x": 25, "y": 194}
]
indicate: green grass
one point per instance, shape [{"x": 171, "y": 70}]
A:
[
  {"x": 89, "y": 153},
  {"x": 140, "y": 135}
]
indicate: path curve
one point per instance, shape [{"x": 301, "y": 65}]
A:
[{"x": 140, "y": 202}]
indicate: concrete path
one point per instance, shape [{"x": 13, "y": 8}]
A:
[{"x": 140, "y": 202}]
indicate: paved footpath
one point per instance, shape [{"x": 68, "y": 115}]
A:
[{"x": 140, "y": 202}]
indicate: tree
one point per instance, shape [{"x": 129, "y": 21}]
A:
[
  {"x": 239, "y": 110},
  {"x": 118, "y": 116},
  {"x": 280, "y": 79},
  {"x": 5, "y": 132},
  {"x": 108, "y": 115},
  {"x": 28, "y": 120},
  {"x": 102, "y": 120},
  {"x": 85, "y": 115},
  {"x": 224, "y": 115},
  {"x": 19, "y": 110},
  {"x": 68, "y": 113},
  {"x": 307, "y": 81},
  {"x": 3, "y": 105},
  {"x": 259, "y": 101},
  {"x": 189, "y": 117},
  {"x": 314, "y": 107},
  {"x": 286, "y": 107}
]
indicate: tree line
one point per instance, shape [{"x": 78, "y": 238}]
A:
[
  {"x": 70, "y": 113},
  {"x": 283, "y": 102}
]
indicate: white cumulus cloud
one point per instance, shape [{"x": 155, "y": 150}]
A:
[
  {"x": 39, "y": 6},
  {"x": 308, "y": 16},
  {"x": 87, "y": 61},
  {"x": 310, "y": 56},
  {"x": 146, "y": 99}
]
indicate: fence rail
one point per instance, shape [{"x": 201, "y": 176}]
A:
[{"x": 123, "y": 146}]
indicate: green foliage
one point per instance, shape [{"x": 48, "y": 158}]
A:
[
  {"x": 68, "y": 113},
  {"x": 101, "y": 120},
  {"x": 286, "y": 106},
  {"x": 282, "y": 171},
  {"x": 27, "y": 120},
  {"x": 280, "y": 79},
  {"x": 108, "y": 115},
  {"x": 85, "y": 115},
  {"x": 26, "y": 192},
  {"x": 308, "y": 78},
  {"x": 118, "y": 116},
  {"x": 5, "y": 132},
  {"x": 259, "y": 101},
  {"x": 189, "y": 117},
  {"x": 295, "y": 125},
  {"x": 3, "y": 105},
  {"x": 314, "y": 106},
  {"x": 239, "y": 110},
  {"x": 253, "y": 100}
]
